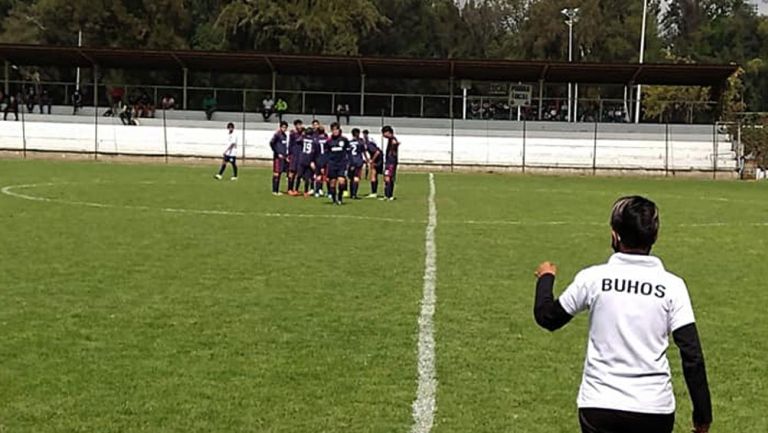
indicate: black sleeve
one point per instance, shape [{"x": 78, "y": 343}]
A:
[
  {"x": 548, "y": 312},
  {"x": 687, "y": 339}
]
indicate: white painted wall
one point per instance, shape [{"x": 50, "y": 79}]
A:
[{"x": 474, "y": 142}]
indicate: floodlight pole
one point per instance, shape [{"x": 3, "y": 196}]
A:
[
  {"x": 79, "y": 44},
  {"x": 642, "y": 58},
  {"x": 572, "y": 15}
]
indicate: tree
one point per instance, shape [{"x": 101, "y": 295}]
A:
[{"x": 293, "y": 26}]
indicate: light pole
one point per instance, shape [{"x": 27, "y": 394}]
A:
[
  {"x": 572, "y": 17},
  {"x": 642, "y": 57}
]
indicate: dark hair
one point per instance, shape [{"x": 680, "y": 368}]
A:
[
  {"x": 355, "y": 131},
  {"x": 635, "y": 220},
  {"x": 386, "y": 129},
  {"x": 335, "y": 125},
  {"x": 230, "y": 125},
  {"x": 366, "y": 132},
  {"x": 283, "y": 123},
  {"x": 297, "y": 122}
]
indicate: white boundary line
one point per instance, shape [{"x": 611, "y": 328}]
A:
[
  {"x": 425, "y": 404},
  {"x": 10, "y": 190}
]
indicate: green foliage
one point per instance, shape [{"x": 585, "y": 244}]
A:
[
  {"x": 320, "y": 27},
  {"x": 704, "y": 31},
  {"x": 754, "y": 137}
]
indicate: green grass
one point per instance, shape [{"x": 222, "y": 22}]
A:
[{"x": 290, "y": 315}]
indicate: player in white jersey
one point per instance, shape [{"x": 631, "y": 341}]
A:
[
  {"x": 634, "y": 305},
  {"x": 230, "y": 155}
]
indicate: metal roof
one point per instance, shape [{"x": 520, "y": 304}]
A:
[{"x": 379, "y": 67}]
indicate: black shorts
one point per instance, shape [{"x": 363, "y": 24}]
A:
[
  {"x": 232, "y": 159},
  {"x": 336, "y": 171},
  {"x": 354, "y": 171},
  {"x": 616, "y": 421}
]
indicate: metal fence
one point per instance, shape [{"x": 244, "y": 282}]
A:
[
  {"x": 604, "y": 110},
  {"x": 451, "y": 143}
]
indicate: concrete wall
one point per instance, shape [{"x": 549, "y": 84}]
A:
[{"x": 425, "y": 141}]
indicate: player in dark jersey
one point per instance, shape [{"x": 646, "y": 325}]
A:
[
  {"x": 375, "y": 163},
  {"x": 357, "y": 159},
  {"x": 321, "y": 163},
  {"x": 279, "y": 145},
  {"x": 306, "y": 161},
  {"x": 337, "y": 148},
  {"x": 295, "y": 143},
  {"x": 390, "y": 162}
]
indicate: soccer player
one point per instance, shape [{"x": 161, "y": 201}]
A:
[
  {"x": 321, "y": 162},
  {"x": 306, "y": 161},
  {"x": 295, "y": 143},
  {"x": 390, "y": 162},
  {"x": 279, "y": 145},
  {"x": 357, "y": 156},
  {"x": 230, "y": 155},
  {"x": 375, "y": 163},
  {"x": 337, "y": 148},
  {"x": 634, "y": 305}
]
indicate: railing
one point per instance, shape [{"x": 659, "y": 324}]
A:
[{"x": 390, "y": 104}]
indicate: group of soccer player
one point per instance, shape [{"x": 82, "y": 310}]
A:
[{"x": 311, "y": 158}]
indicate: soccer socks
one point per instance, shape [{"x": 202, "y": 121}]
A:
[
  {"x": 223, "y": 167},
  {"x": 375, "y": 186},
  {"x": 354, "y": 188},
  {"x": 340, "y": 192},
  {"x": 291, "y": 182},
  {"x": 389, "y": 189},
  {"x": 234, "y": 168},
  {"x": 332, "y": 192}
]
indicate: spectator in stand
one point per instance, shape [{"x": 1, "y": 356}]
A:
[
  {"x": 342, "y": 110},
  {"x": 126, "y": 114},
  {"x": 209, "y": 105},
  {"x": 168, "y": 102},
  {"x": 45, "y": 101},
  {"x": 281, "y": 107},
  {"x": 77, "y": 101},
  {"x": 30, "y": 99},
  {"x": 12, "y": 106},
  {"x": 146, "y": 106},
  {"x": 116, "y": 95},
  {"x": 267, "y": 108}
]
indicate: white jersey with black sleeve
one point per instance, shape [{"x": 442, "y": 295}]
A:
[
  {"x": 232, "y": 143},
  {"x": 634, "y": 305}
]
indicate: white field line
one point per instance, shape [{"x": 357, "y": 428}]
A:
[
  {"x": 425, "y": 404},
  {"x": 11, "y": 191}
]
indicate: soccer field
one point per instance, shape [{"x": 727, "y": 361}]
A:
[{"x": 153, "y": 298}]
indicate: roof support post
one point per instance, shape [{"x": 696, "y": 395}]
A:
[
  {"x": 541, "y": 99},
  {"x": 450, "y": 103},
  {"x": 7, "y": 83},
  {"x": 184, "y": 88},
  {"x": 274, "y": 85},
  {"x": 96, "y": 111},
  {"x": 362, "y": 94}
]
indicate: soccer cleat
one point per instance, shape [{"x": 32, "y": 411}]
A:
[
  {"x": 277, "y": 194},
  {"x": 307, "y": 194},
  {"x": 391, "y": 199},
  {"x": 233, "y": 178},
  {"x": 217, "y": 176},
  {"x": 371, "y": 195}
]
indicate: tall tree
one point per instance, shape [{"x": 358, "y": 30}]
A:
[{"x": 299, "y": 26}]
